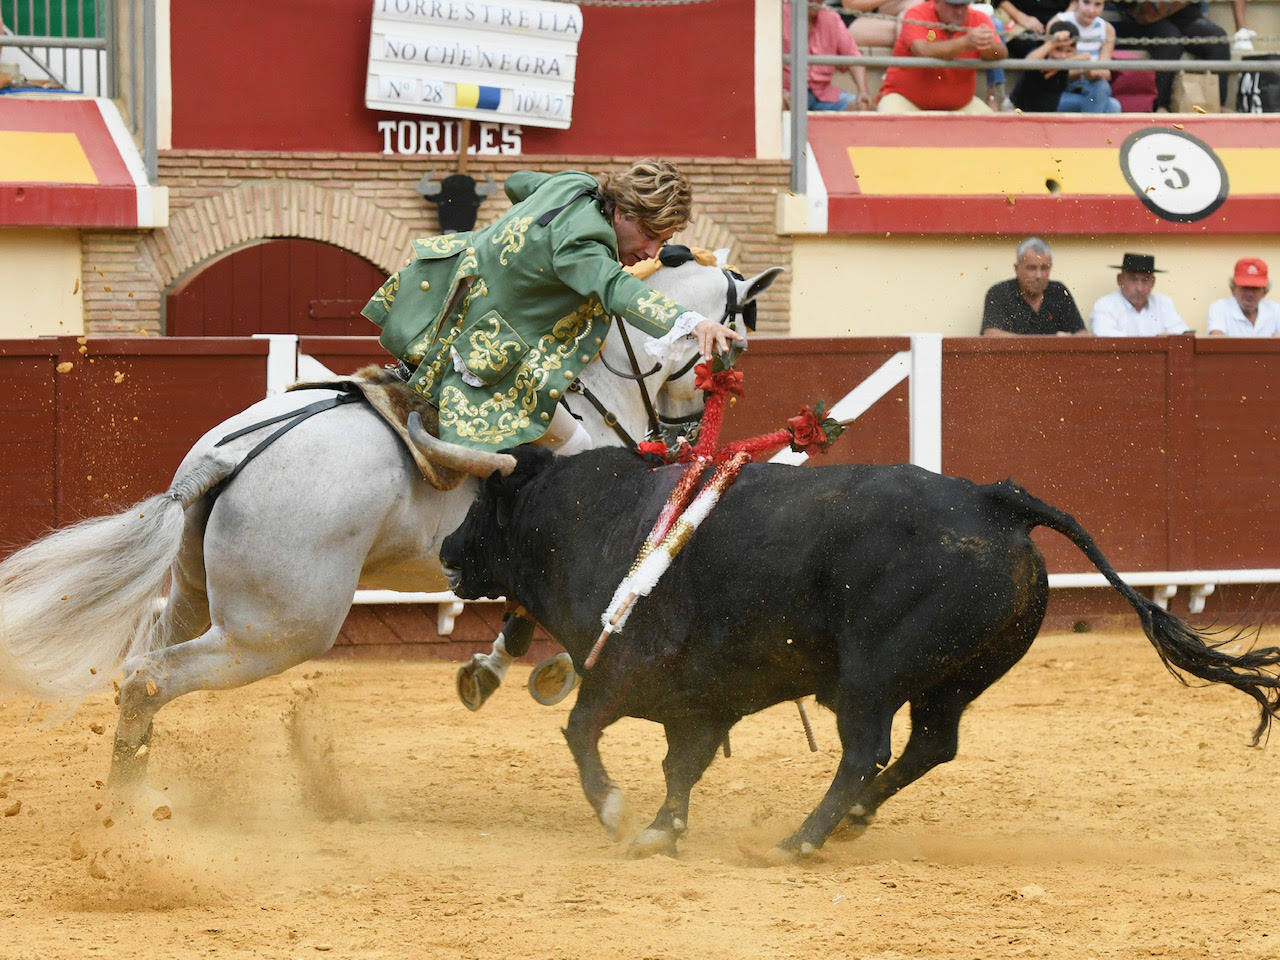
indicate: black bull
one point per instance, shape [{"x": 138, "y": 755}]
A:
[{"x": 869, "y": 586}]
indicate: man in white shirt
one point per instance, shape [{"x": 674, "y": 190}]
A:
[
  {"x": 1246, "y": 313},
  {"x": 1134, "y": 310}
]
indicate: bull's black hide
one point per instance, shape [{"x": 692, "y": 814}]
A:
[{"x": 869, "y": 586}]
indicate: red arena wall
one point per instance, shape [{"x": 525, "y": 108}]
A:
[{"x": 296, "y": 80}]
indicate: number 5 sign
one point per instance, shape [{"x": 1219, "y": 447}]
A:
[{"x": 1177, "y": 176}]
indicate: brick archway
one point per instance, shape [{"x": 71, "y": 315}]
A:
[{"x": 268, "y": 209}]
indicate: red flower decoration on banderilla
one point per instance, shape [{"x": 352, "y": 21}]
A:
[
  {"x": 653, "y": 446},
  {"x": 724, "y": 381},
  {"x": 812, "y": 431}
]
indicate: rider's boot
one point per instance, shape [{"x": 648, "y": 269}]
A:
[{"x": 481, "y": 676}]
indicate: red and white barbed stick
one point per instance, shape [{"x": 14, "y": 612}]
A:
[{"x": 651, "y": 565}]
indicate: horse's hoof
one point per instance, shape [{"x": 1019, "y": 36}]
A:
[
  {"x": 612, "y": 811},
  {"x": 475, "y": 683},
  {"x": 142, "y": 803},
  {"x": 553, "y": 679},
  {"x": 652, "y": 842}
]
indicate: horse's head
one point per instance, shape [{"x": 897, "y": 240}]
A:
[
  {"x": 621, "y": 386},
  {"x": 716, "y": 293}
]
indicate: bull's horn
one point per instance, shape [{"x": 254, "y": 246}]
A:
[{"x": 478, "y": 463}]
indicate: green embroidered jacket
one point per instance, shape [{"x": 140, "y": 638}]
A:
[{"x": 526, "y": 307}]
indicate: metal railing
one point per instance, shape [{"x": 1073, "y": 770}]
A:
[
  {"x": 100, "y": 48},
  {"x": 799, "y": 61}
]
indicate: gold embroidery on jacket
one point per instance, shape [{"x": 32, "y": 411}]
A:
[
  {"x": 504, "y": 414},
  {"x": 386, "y": 294},
  {"x": 441, "y": 245},
  {"x": 656, "y": 306},
  {"x": 511, "y": 237},
  {"x": 492, "y": 347}
]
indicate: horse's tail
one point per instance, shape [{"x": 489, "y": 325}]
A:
[
  {"x": 79, "y": 602},
  {"x": 1182, "y": 648}
]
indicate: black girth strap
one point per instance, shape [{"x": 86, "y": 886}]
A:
[
  {"x": 294, "y": 417},
  {"x": 608, "y": 416}
]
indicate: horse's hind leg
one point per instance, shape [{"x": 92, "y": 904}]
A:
[
  {"x": 218, "y": 659},
  {"x": 186, "y": 612}
]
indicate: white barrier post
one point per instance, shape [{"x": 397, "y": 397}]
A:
[
  {"x": 282, "y": 360},
  {"x": 924, "y": 387}
]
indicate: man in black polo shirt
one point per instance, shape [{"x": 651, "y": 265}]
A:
[{"x": 1031, "y": 303}]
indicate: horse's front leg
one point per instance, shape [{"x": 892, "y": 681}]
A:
[
  {"x": 587, "y": 721},
  {"x": 691, "y": 746}
]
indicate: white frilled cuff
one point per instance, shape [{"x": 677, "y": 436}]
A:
[{"x": 668, "y": 347}]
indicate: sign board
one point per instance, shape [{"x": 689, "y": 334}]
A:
[{"x": 505, "y": 61}]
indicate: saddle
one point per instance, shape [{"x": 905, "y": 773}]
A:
[{"x": 394, "y": 401}]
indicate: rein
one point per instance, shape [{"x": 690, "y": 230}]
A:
[{"x": 732, "y": 310}]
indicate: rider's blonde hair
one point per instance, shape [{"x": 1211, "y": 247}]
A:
[{"x": 654, "y": 193}]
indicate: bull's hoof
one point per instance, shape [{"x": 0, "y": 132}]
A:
[
  {"x": 553, "y": 679},
  {"x": 653, "y": 842},
  {"x": 853, "y": 825},
  {"x": 612, "y": 812},
  {"x": 781, "y": 854},
  {"x": 475, "y": 683}
]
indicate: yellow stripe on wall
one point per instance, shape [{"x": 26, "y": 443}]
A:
[
  {"x": 1251, "y": 169},
  {"x": 951, "y": 171},
  {"x": 38, "y": 157},
  {"x": 947, "y": 171},
  {"x": 467, "y": 95}
]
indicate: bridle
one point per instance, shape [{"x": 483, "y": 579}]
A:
[{"x": 658, "y": 423}]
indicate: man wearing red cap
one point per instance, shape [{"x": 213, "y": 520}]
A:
[{"x": 1246, "y": 313}]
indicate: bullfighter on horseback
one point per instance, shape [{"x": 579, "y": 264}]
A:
[{"x": 492, "y": 326}]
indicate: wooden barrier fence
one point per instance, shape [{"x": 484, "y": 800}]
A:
[{"x": 1166, "y": 449}]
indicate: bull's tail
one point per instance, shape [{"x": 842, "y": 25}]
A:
[
  {"x": 77, "y": 603},
  {"x": 1182, "y": 648}
]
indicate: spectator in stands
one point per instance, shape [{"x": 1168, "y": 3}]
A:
[
  {"x": 1134, "y": 310},
  {"x": 1171, "y": 22},
  {"x": 828, "y": 37},
  {"x": 1031, "y": 303},
  {"x": 1039, "y": 91},
  {"x": 1029, "y": 17},
  {"x": 874, "y": 31},
  {"x": 1242, "y": 39},
  {"x": 1089, "y": 91},
  {"x": 948, "y": 30},
  {"x": 1246, "y": 313}
]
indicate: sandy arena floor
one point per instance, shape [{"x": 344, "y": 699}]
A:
[{"x": 355, "y": 810}]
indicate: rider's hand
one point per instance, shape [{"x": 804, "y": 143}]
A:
[{"x": 714, "y": 338}]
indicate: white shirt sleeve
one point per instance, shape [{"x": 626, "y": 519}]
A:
[
  {"x": 1218, "y": 311},
  {"x": 1173, "y": 322},
  {"x": 1103, "y": 322}
]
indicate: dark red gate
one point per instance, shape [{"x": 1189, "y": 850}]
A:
[{"x": 278, "y": 286}]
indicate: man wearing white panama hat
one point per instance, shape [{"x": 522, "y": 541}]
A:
[{"x": 1134, "y": 309}]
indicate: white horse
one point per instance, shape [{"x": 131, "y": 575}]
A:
[{"x": 261, "y": 572}]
